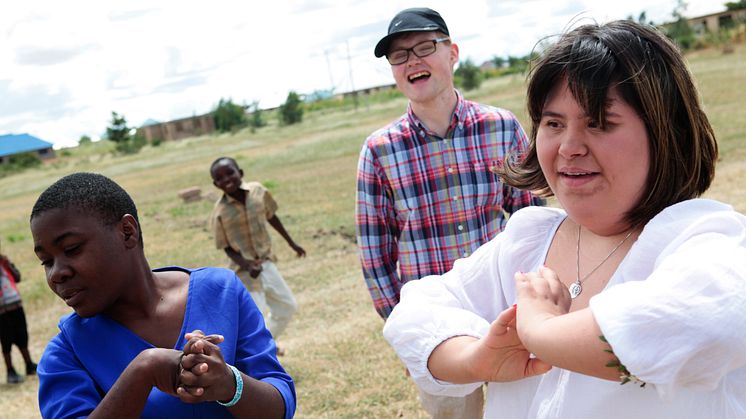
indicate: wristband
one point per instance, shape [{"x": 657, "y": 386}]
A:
[{"x": 239, "y": 388}]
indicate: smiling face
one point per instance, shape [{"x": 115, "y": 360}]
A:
[
  {"x": 84, "y": 260},
  {"x": 226, "y": 176},
  {"x": 423, "y": 80},
  {"x": 597, "y": 174}
]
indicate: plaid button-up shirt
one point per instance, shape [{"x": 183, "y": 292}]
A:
[{"x": 424, "y": 201}]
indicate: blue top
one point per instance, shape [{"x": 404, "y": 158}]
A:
[{"x": 84, "y": 360}]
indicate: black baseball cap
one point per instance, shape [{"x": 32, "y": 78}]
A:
[{"x": 418, "y": 19}]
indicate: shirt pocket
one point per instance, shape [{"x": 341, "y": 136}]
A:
[{"x": 483, "y": 188}]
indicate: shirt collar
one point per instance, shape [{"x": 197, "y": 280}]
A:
[
  {"x": 457, "y": 118},
  {"x": 228, "y": 198}
]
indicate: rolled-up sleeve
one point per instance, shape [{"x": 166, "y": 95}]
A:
[
  {"x": 437, "y": 308},
  {"x": 682, "y": 327}
]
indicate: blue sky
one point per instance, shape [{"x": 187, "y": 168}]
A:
[{"x": 64, "y": 66}]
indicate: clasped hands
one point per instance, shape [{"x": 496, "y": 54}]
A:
[
  {"x": 504, "y": 353},
  {"x": 203, "y": 374},
  {"x": 196, "y": 374}
]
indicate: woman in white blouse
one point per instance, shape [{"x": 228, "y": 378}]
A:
[{"x": 635, "y": 281}]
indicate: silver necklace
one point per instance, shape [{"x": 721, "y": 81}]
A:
[{"x": 577, "y": 287}]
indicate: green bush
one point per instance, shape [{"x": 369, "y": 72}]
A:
[
  {"x": 256, "y": 119},
  {"x": 131, "y": 146},
  {"x": 468, "y": 76},
  {"x": 291, "y": 112},
  {"x": 18, "y": 163},
  {"x": 228, "y": 116},
  {"x": 25, "y": 160}
]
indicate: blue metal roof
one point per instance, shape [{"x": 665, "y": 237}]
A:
[{"x": 11, "y": 144}]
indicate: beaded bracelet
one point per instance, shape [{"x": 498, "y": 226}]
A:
[{"x": 239, "y": 388}]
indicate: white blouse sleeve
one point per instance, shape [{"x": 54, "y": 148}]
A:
[
  {"x": 465, "y": 300},
  {"x": 682, "y": 326}
]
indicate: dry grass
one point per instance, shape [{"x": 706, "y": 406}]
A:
[{"x": 342, "y": 366}]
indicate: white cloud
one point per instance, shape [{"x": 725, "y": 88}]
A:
[{"x": 63, "y": 69}]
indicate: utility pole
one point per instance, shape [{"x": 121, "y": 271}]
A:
[
  {"x": 329, "y": 66},
  {"x": 349, "y": 65}
]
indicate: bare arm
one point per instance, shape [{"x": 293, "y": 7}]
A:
[
  {"x": 566, "y": 340},
  {"x": 277, "y": 225},
  {"x": 499, "y": 356},
  {"x": 253, "y": 267},
  {"x": 155, "y": 367}
]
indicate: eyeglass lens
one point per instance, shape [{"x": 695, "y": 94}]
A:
[{"x": 423, "y": 49}]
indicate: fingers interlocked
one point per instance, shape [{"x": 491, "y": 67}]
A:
[{"x": 202, "y": 369}]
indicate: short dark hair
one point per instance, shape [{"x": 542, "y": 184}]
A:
[
  {"x": 650, "y": 74},
  {"x": 90, "y": 192},
  {"x": 219, "y": 159}
]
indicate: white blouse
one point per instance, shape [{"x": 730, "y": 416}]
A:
[{"x": 674, "y": 312}]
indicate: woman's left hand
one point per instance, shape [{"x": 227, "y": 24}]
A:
[
  {"x": 204, "y": 375},
  {"x": 541, "y": 296}
]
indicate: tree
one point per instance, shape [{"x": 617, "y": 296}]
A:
[
  {"x": 118, "y": 131},
  {"x": 468, "y": 75},
  {"x": 641, "y": 19},
  {"x": 291, "y": 111},
  {"x": 256, "y": 120},
  {"x": 680, "y": 31},
  {"x": 121, "y": 134},
  {"x": 84, "y": 140},
  {"x": 228, "y": 115},
  {"x": 736, "y": 5}
]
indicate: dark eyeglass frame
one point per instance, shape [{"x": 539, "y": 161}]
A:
[{"x": 435, "y": 42}]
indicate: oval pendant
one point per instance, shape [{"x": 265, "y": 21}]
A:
[{"x": 575, "y": 290}]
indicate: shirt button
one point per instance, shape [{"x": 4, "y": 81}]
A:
[
  {"x": 451, "y": 170},
  {"x": 460, "y": 227},
  {"x": 455, "y": 198},
  {"x": 466, "y": 254}
]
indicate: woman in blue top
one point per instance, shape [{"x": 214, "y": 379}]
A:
[{"x": 134, "y": 346}]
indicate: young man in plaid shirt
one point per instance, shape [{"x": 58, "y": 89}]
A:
[{"x": 426, "y": 194}]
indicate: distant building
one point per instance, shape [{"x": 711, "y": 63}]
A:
[
  {"x": 176, "y": 130},
  {"x": 13, "y": 144},
  {"x": 367, "y": 91},
  {"x": 714, "y": 21}
]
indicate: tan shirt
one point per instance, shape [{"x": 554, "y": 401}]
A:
[{"x": 242, "y": 226}]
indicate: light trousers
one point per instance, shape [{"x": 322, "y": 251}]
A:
[
  {"x": 275, "y": 300},
  {"x": 444, "y": 407}
]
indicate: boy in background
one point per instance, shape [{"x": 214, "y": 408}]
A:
[
  {"x": 13, "y": 320},
  {"x": 239, "y": 221}
]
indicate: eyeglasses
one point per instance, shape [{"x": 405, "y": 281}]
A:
[{"x": 421, "y": 50}]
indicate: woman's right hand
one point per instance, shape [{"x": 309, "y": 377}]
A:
[
  {"x": 162, "y": 365},
  {"x": 498, "y": 356}
]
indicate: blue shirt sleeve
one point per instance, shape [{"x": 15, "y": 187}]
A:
[{"x": 65, "y": 389}]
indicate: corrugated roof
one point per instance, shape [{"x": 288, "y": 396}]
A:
[{"x": 11, "y": 144}]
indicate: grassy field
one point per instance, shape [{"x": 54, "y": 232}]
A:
[{"x": 341, "y": 364}]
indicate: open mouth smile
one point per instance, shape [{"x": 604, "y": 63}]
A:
[{"x": 420, "y": 75}]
